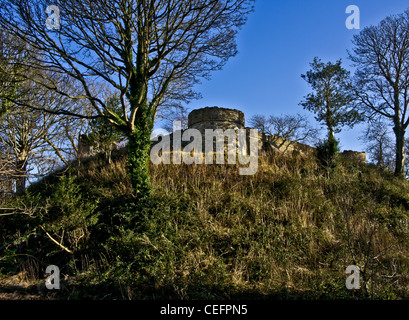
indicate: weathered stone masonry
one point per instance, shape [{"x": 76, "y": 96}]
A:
[{"x": 222, "y": 118}]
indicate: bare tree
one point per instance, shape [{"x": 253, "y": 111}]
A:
[
  {"x": 6, "y": 169},
  {"x": 260, "y": 122},
  {"x": 151, "y": 52},
  {"x": 26, "y": 133},
  {"x": 379, "y": 143},
  {"x": 381, "y": 55},
  {"x": 12, "y": 57},
  {"x": 168, "y": 116},
  {"x": 295, "y": 128},
  {"x": 37, "y": 141}
]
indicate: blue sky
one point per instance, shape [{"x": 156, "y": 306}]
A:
[{"x": 276, "y": 46}]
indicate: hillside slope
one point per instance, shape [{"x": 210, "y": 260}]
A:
[{"x": 288, "y": 232}]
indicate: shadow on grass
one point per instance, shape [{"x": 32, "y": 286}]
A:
[{"x": 106, "y": 291}]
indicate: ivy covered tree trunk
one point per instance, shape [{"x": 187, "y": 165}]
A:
[{"x": 139, "y": 156}]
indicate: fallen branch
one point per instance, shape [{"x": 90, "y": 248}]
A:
[
  {"x": 14, "y": 211},
  {"x": 56, "y": 242}
]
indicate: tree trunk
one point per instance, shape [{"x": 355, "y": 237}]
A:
[
  {"x": 380, "y": 157},
  {"x": 332, "y": 143},
  {"x": 108, "y": 157},
  {"x": 400, "y": 150},
  {"x": 21, "y": 176},
  {"x": 331, "y": 135},
  {"x": 138, "y": 158}
]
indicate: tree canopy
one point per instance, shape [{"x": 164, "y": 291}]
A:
[
  {"x": 149, "y": 52},
  {"x": 381, "y": 82},
  {"x": 332, "y": 98}
]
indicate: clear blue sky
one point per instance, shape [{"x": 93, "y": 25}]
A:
[{"x": 276, "y": 46}]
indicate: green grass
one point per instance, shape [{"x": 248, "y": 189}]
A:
[{"x": 288, "y": 232}]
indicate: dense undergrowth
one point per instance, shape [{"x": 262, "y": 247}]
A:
[{"x": 288, "y": 232}]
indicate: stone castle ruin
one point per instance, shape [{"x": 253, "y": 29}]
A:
[
  {"x": 221, "y": 118},
  {"x": 216, "y": 118}
]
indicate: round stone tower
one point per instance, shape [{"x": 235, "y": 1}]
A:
[{"x": 216, "y": 118}]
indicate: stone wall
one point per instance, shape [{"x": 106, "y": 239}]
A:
[
  {"x": 355, "y": 156},
  {"x": 216, "y": 118},
  {"x": 220, "y": 118}
]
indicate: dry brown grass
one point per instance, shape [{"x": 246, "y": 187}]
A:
[{"x": 289, "y": 231}]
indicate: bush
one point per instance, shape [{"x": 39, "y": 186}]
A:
[{"x": 327, "y": 151}]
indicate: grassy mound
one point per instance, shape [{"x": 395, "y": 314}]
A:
[{"x": 288, "y": 232}]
